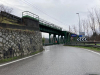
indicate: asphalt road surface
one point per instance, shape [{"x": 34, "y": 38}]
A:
[{"x": 56, "y": 60}]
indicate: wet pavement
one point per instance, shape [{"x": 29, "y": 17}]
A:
[{"x": 56, "y": 60}]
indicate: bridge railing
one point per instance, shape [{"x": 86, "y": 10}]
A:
[
  {"x": 34, "y": 16},
  {"x": 87, "y": 43},
  {"x": 49, "y": 24},
  {"x": 29, "y": 14}
]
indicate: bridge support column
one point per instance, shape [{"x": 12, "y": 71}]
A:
[
  {"x": 61, "y": 39},
  {"x": 69, "y": 37},
  {"x": 54, "y": 38},
  {"x": 49, "y": 38},
  {"x": 58, "y": 39},
  {"x": 65, "y": 38}
]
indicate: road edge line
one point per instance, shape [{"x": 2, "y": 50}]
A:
[
  {"x": 19, "y": 59},
  {"x": 90, "y": 50},
  {"x": 93, "y": 51}
]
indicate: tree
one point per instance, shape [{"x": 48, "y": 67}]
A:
[
  {"x": 84, "y": 25},
  {"x": 97, "y": 14},
  {"x": 74, "y": 29},
  {"x": 5, "y": 9},
  {"x": 92, "y": 21},
  {"x": 43, "y": 40}
]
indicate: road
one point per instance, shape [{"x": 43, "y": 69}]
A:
[{"x": 56, "y": 60}]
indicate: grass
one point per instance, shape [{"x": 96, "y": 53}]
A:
[
  {"x": 31, "y": 31},
  {"x": 9, "y": 21},
  {"x": 90, "y": 48},
  {"x": 9, "y": 59},
  {"x": 15, "y": 58},
  {"x": 92, "y": 44}
]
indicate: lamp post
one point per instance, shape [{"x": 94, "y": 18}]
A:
[{"x": 79, "y": 22}]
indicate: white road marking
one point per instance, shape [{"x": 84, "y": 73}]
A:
[
  {"x": 92, "y": 51},
  {"x": 19, "y": 60}
]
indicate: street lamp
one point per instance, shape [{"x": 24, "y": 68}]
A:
[{"x": 79, "y": 22}]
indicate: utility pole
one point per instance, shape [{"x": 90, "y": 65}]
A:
[
  {"x": 69, "y": 28},
  {"x": 79, "y": 22}
]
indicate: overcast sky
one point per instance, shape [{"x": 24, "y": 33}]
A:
[{"x": 59, "y": 12}]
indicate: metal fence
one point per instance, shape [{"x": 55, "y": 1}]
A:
[
  {"x": 29, "y": 14},
  {"x": 87, "y": 44},
  {"x": 43, "y": 22},
  {"x": 49, "y": 24}
]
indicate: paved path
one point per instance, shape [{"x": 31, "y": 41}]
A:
[{"x": 56, "y": 60}]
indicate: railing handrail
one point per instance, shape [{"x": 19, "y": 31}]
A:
[
  {"x": 49, "y": 24},
  {"x": 27, "y": 13}
]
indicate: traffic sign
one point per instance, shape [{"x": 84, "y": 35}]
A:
[
  {"x": 80, "y": 35},
  {"x": 73, "y": 35},
  {"x": 81, "y": 39}
]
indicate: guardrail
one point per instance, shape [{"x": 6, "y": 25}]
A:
[
  {"x": 88, "y": 44},
  {"x": 49, "y": 24},
  {"x": 41, "y": 21},
  {"x": 29, "y": 14}
]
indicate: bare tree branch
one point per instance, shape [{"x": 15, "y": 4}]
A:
[
  {"x": 74, "y": 29},
  {"x": 97, "y": 13},
  {"x": 5, "y": 9},
  {"x": 92, "y": 21},
  {"x": 84, "y": 25}
]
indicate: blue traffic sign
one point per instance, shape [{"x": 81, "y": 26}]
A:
[
  {"x": 73, "y": 35},
  {"x": 80, "y": 35}
]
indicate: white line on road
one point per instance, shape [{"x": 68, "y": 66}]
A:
[
  {"x": 92, "y": 51},
  {"x": 19, "y": 60}
]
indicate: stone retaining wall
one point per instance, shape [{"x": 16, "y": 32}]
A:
[{"x": 19, "y": 42}]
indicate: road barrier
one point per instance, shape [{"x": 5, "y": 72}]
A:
[{"x": 87, "y": 44}]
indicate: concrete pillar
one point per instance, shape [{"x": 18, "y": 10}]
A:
[
  {"x": 61, "y": 39},
  {"x": 65, "y": 39},
  {"x": 58, "y": 39},
  {"x": 69, "y": 36},
  {"x": 49, "y": 38},
  {"x": 54, "y": 38}
]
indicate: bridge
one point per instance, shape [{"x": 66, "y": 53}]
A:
[
  {"x": 42, "y": 25},
  {"x": 50, "y": 28}
]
